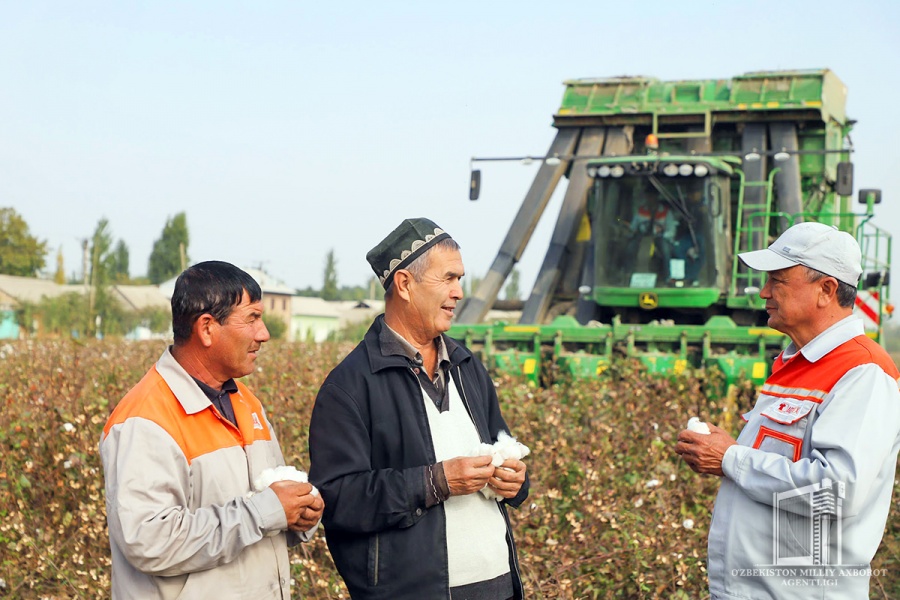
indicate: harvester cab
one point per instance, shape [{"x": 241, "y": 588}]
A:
[{"x": 667, "y": 183}]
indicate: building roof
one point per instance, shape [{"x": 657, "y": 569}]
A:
[
  {"x": 267, "y": 283},
  {"x": 139, "y": 297},
  {"x": 270, "y": 284},
  {"x": 346, "y": 311},
  {"x": 31, "y": 289},
  {"x": 308, "y": 306}
]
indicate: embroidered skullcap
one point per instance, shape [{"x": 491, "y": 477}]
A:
[{"x": 402, "y": 246}]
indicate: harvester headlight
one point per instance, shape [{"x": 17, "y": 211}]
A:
[
  {"x": 685, "y": 169},
  {"x": 592, "y": 172},
  {"x": 671, "y": 170},
  {"x": 617, "y": 171},
  {"x": 701, "y": 170},
  {"x": 603, "y": 170}
]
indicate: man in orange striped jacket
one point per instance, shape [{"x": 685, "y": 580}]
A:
[
  {"x": 181, "y": 451},
  {"x": 806, "y": 488}
]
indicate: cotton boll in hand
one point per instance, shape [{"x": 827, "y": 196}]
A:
[
  {"x": 509, "y": 448},
  {"x": 282, "y": 473},
  {"x": 697, "y": 426},
  {"x": 505, "y": 448}
]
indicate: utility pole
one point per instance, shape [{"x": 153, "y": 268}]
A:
[{"x": 85, "y": 261}]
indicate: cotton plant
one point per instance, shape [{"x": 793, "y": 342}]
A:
[{"x": 505, "y": 448}]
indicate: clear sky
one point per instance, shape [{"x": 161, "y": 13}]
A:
[{"x": 285, "y": 129}]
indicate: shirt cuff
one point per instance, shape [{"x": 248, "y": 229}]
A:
[
  {"x": 270, "y": 510},
  {"x": 436, "y": 488},
  {"x": 732, "y": 459}
]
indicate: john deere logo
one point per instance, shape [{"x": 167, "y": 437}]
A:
[{"x": 648, "y": 300}]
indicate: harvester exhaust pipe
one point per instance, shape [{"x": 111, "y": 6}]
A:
[{"x": 783, "y": 137}]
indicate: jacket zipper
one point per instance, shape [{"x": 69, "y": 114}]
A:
[
  {"x": 465, "y": 399},
  {"x": 377, "y": 538},
  {"x": 509, "y": 534}
]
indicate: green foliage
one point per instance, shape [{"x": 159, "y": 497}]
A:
[
  {"x": 512, "y": 286},
  {"x": 592, "y": 527},
  {"x": 158, "y": 320},
  {"x": 169, "y": 255},
  {"x": 276, "y": 326},
  {"x": 109, "y": 265},
  {"x": 119, "y": 263},
  {"x": 330, "y": 282},
  {"x": 59, "y": 277},
  {"x": 67, "y": 316},
  {"x": 347, "y": 292},
  {"x": 60, "y": 316},
  {"x": 20, "y": 253},
  {"x": 101, "y": 259},
  {"x": 470, "y": 284}
]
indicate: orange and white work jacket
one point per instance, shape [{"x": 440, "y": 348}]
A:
[
  {"x": 828, "y": 415},
  {"x": 182, "y": 521}
]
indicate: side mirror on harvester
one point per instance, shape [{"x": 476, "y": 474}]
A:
[
  {"x": 865, "y": 195},
  {"x": 474, "y": 184},
  {"x": 844, "y": 184}
]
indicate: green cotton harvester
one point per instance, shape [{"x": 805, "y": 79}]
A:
[{"x": 667, "y": 182}]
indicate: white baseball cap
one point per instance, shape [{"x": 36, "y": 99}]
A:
[{"x": 822, "y": 247}]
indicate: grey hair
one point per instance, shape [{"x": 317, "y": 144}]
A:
[
  {"x": 421, "y": 263},
  {"x": 846, "y": 293}
]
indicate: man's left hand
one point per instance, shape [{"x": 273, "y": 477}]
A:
[
  {"x": 508, "y": 478},
  {"x": 704, "y": 453}
]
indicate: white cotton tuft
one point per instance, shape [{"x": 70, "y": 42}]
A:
[
  {"x": 697, "y": 426},
  {"x": 505, "y": 448},
  {"x": 282, "y": 473}
]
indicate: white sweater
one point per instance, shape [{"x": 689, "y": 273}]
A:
[{"x": 476, "y": 531}]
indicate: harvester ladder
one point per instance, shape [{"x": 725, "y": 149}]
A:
[{"x": 752, "y": 232}]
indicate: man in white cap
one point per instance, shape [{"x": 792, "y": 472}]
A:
[{"x": 810, "y": 477}]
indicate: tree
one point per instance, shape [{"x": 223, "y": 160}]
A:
[
  {"x": 60, "y": 276},
  {"x": 376, "y": 291},
  {"x": 100, "y": 302},
  {"x": 119, "y": 263},
  {"x": 330, "y": 285},
  {"x": 276, "y": 326},
  {"x": 101, "y": 254},
  {"x": 470, "y": 284},
  {"x": 169, "y": 255},
  {"x": 512, "y": 286},
  {"x": 21, "y": 253}
]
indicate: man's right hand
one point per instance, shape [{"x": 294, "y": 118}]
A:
[
  {"x": 467, "y": 474},
  {"x": 302, "y": 509}
]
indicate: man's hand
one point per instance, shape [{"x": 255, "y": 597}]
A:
[
  {"x": 703, "y": 453},
  {"x": 467, "y": 474},
  {"x": 508, "y": 478},
  {"x": 302, "y": 509}
]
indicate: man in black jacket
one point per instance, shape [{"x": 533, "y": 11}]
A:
[{"x": 392, "y": 438}]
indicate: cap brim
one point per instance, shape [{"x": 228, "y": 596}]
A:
[{"x": 766, "y": 260}]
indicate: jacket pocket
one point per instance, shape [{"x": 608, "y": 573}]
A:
[
  {"x": 783, "y": 427},
  {"x": 374, "y": 559}
]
